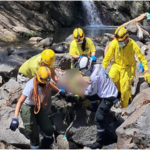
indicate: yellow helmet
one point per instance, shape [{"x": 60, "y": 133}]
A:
[
  {"x": 121, "y": 33},
  {"x": 48, "y": 56},
  {"x": 43, "y": 75},
  {"x": 78, "y": 34}
]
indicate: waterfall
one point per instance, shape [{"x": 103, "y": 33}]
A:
[{"x": 92, "y": 13}]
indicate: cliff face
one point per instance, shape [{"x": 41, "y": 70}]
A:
[
  {"x": 29, "y": 18},
  {"x": 119, "y": 12}
]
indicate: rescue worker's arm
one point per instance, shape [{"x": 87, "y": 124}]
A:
[
  {"x": 75, "y": 57},
  {"x": 91, "y": 89},
  {"x": 93, "y": 53},
  {"x": 54, "y": 76},
  {"x": 108, "y": 56},
  {"x": 141, "y": 57},
  {"x": 19, "y": 103},
  {"x": 54, "y": 87}
]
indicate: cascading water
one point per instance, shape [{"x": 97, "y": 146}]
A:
[{"x": 93, "y": 15}]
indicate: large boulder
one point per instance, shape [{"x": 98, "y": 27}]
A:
[
  {"x": 15, "y": 138},
  {"x": 134, "y": 132},
  {"x": 10, "y": 92},
  {"x": 83, "y": 130},
  {"x": 47, "y": 42},
  {"x": 9, "y": 66}
]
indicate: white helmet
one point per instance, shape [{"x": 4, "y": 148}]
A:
[{"x": 84, "y": 64}]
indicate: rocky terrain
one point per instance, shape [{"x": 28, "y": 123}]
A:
[{"x": 127, "y": 128}]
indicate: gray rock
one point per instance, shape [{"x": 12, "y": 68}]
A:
[
  {"x": 60, "y": 48},
  {"x": 63, "y": 61},
  {"x": 10, "y": 92},
  {"x": 10, "y": 50},
  {"x": 3, "y": 55},
  {"x": 69, "y": 39},
  {"x": 83, "y": 131},
  {"x": 34, "y": 40},
  {"x": 45, "y": 42},
  {"x": 132, "y": 28},
  {"x": 9, "y": 66},
  {"x": 99, "y": 51},
  {"x": 134, "y": 132},
  {"x": 6, "y": 114}
]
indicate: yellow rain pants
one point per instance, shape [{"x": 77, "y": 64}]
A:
[{"x": 122, "y": 77}]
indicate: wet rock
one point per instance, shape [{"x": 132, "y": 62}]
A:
[
  {"x": 34, "y": 40},
  {"x": 6, "y": 115},
  {"x": 26, "y": 53},
  {"x": 10, "y": 50},
  {"x": 45, "y": 42},
  {"x": 60, "y": 48},
  {"x": 3, "y": 55},
  {"x": 133, "y": 133}
]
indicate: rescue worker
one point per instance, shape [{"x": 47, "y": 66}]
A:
[
  {"x": 35, "y": 104},
  {"x": 101, "y": 88},
  {"x": 29, "y": 67},
  {"x": 81, "y": 45},
  {"x": 122, "y": 71}
]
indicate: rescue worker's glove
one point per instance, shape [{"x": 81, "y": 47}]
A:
[
  {"x": 147, "y": 76},
  {"x": 141, "y": 68},
  {"x": 79, "y": 56},
  {"x": 94, "y": 58},
  {"x": 14, "y": 124},
  {"x": 62, "y": 92}
]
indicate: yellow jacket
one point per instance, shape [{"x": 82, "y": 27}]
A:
[
  {"x": 124, "y": 56},
  {"x": 75, "y": 49},
  {"x": 31, "y": 66}
]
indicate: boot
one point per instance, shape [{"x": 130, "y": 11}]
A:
[
  {"x": 98, "y": 143},
  {"x": 46, "y": 143}
]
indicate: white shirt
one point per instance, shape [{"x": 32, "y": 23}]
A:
[
  {"x": 28, "y": 90},
  {"x": 101, "y": 83}
]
